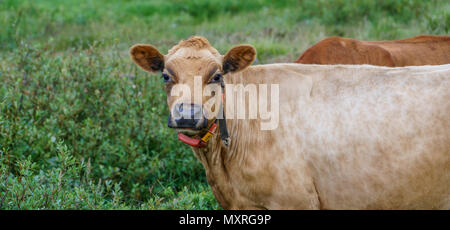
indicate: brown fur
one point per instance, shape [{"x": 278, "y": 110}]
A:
[
  {"x": 240, "y": 57},
  {"x": 147, "y": 57},
  {"x": 420, "y": 50},
  {"x": 350, "y": 137}
]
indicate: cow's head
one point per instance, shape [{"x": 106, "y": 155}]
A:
[{"x": 192, "y": 72}]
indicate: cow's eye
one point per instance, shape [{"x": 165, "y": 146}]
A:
[
  {"x": 216, "y": 79},
  {"x": 166, "y": 77}
]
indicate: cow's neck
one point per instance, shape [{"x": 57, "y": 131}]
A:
[
  {"x": 216, "y": 160},
  {"x": 221, "y": 163}
]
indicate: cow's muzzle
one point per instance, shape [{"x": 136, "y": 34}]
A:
[{"x": 188, "y": 116}]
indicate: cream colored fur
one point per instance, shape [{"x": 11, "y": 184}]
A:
[{"x": 350, "y": 137}]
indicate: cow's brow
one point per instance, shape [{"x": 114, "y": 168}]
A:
[{"x": 171, "y": 72}]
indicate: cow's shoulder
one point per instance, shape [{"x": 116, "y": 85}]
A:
[
  {"x": 338, "y": 50},
  {"x": 327, "y": 51},
  {"x": 332, "y": 43}
]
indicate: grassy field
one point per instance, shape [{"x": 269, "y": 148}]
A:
[{"x": 81, "y": 127}]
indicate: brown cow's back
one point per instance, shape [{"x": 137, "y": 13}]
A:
[{"x": 420, "y": 50}]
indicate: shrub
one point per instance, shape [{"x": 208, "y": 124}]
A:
[
  {"x": 106, "y": 113},
  {"x": 66, "y": 185}
]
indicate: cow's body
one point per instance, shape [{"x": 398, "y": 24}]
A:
[
  {"x": 350, "y": 137},
  {"x": 420, "y": 50}
]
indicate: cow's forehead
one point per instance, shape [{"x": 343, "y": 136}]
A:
[
  {"x": 193, "y": 54},
  {"x": 186, "y": 63},
  {"x": 192, "y": 57},
  {"x": 187, "y": 69}
]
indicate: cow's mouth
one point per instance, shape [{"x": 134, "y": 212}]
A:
[{"x": 189, "y": 132}]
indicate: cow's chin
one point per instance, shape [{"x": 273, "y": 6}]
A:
[{"x": 189, "y": 132}]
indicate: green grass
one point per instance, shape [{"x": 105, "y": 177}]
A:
[{"x": 81, "y": 127}]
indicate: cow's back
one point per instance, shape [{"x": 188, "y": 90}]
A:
[{"x": 420, "y": 50}]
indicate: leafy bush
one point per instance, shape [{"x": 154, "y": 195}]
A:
[
  {"x": 107, "y": 113},
  {"x": 67, "y": 184}
]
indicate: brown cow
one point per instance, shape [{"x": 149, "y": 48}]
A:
[
  {"x": 348, "y": 136},
  {"x": 420, "y": 50}
]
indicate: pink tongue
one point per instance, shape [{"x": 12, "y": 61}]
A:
[{"x": 188, "y": 140}]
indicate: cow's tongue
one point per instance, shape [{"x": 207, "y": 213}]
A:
[{"x": 188, "y": 140}]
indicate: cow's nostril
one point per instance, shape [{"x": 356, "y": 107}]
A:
[{"x": 188, "y": 116}]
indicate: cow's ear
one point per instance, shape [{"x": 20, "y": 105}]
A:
[
  {"x": 238, "y": 58},
  {"x": 147, "y": 57}
]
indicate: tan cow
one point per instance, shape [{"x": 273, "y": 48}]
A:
[
  {"x": 419, "y": 50},
  {"x": 349, "y": 137}
]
